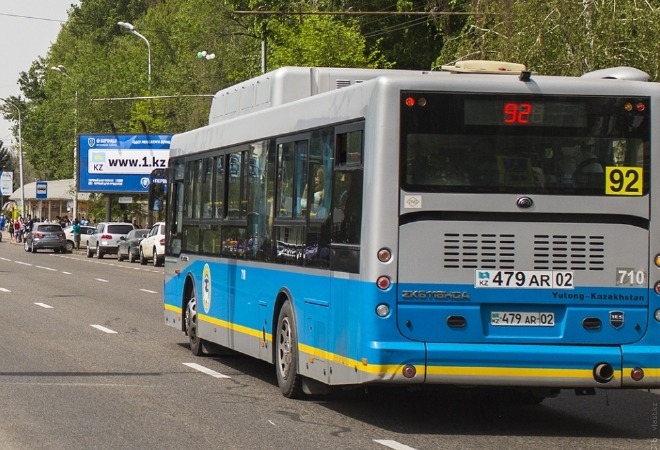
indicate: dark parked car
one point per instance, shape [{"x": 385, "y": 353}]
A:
[
  {"x": 45, "y": 235},
  {"x": 129, "y": 246}
]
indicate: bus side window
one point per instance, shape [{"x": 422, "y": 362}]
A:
[{"x": 347, "y": 210}]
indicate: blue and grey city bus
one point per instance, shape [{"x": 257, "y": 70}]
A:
[{"x": 482, "y": 225}]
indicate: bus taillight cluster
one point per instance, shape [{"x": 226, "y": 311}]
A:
[{"x": 638, "y": 106}]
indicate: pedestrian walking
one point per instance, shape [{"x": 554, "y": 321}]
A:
[{"x": 76, "y": 234}]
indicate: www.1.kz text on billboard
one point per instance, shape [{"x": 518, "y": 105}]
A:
[{"x": 120, "y": 163}]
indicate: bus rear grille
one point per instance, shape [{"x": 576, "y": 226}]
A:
[
  {"x": 479, "y": 251},
  {"x": 498, "y": 251},
  {"x": 564, "y": 252}
]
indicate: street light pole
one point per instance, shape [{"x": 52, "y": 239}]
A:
[
  {"x": 61, "y": 69},
  {"x": 131, "y": 29},
  {"x": 20, "y": 155}
]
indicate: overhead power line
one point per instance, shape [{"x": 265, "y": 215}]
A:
[
  {"x": 360, "y": 13},
  {"x": 18, "y": 16}
]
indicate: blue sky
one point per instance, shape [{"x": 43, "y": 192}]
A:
[{"x": 27, "y": 30}]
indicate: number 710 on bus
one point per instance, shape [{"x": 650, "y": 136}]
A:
[{"x": 529, "y": 279}]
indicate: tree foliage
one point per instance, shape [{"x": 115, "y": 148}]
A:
[{"x": 559, "y": 37}]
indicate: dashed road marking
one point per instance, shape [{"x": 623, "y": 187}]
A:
[
  {"x": 104, "y": 329},
  {"x": 102, "y": 280},
  {"x": 46, "y": 268},
  {"x": 148, "y": 291},
  {"x": 393, "y": 444},
  {"x": 205, "y": 370},
  {"x": 43, "y": 305},
  {"x": 4, "y": 290}
]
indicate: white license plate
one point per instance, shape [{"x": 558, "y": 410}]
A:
[
  {"x": 528, "y": 279},
  {"x": 522, "y": 319}
]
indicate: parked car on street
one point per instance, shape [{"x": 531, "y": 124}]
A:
[
  {"x": 85, "y": 233},
  {"x": 105, "y": 239},
  {"x": 153, "y": 246},
  {"x": 129, "y": 246},
  {"x": 45, "y": 235}
]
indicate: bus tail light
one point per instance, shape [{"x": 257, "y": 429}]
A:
[
  {"x": 383, "y": 282},
  {"x": 637, "y": 374}
]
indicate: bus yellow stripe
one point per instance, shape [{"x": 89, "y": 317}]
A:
[
  {"x": 462, "y": 371},
  {"x": 510, "y": 372},
  {"x": 173, "y": 308},
  {"x": 233, "y": 327}
]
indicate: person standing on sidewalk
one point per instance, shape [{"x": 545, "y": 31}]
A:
[{"x": 76, "y": 234}]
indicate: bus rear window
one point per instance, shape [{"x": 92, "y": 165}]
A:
[{"x": 556, "y": 145}]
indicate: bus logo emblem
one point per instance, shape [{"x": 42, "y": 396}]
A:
[
  {"x": 616, "y": 319},
  {"x": 206, "y": 288}
]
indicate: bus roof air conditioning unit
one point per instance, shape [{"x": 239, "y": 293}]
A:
[{"x": 619, "y": 73}]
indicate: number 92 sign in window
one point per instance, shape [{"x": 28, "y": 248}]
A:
[{"x": 624, "y": 181}]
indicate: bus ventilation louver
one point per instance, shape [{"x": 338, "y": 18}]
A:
[
  {"x": 564, "y": 252},
  {"x": 479, "y": 251},
  {"x": 504, "y": 251}
]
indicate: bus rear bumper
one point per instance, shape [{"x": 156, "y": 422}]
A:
[
  {"x": 521, "y": 365},
  {"x": 541, "y": 365}
]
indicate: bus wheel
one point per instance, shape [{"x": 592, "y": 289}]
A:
[
  {"x": 286, "y": 357},
  {"x": 191, "y": 327}
]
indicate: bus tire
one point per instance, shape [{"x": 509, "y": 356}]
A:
[
  {"x": 196, "y": 346},
  {"x": 286, "y": 354}
]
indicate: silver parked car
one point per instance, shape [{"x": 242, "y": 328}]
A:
[
  {"x": 45, "y": 235},
  {"x": 105, "y": 239}
]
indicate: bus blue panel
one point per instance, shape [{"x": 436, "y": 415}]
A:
[{"x": 580, "y": 316}]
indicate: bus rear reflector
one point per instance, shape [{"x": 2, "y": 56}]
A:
[
  {"x": 409, "y": 371},
  {"x": 637, "y": 374}
]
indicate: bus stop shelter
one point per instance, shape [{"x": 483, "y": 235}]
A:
[{"x": 58, "y": 202}]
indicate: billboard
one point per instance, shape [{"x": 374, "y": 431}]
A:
[
  {"x": 120, "y": 163},
  {"x": 6, "y": 183}
]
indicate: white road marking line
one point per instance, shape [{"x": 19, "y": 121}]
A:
[
  {"x": 66, "y": 273},
  {"x": 4, "y": 290},
  {"x": 43, "y": 305},
  {"x": 392, "y": 444},
  {"x": 104, "y": 329},
  {"x": 205, "y": 370},
  {"x": 5, "y": 259},
  {"x": 148, "y": 291},
  {"x": 102, "y": 280},
  {"x": 46, "y": 268},
  {"x": 23, "y": 263}
]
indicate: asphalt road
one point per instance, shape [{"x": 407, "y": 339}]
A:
[{"x": 87, "y": 362}]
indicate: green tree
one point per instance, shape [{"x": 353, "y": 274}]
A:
[{"x": 559, "y": 37}]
